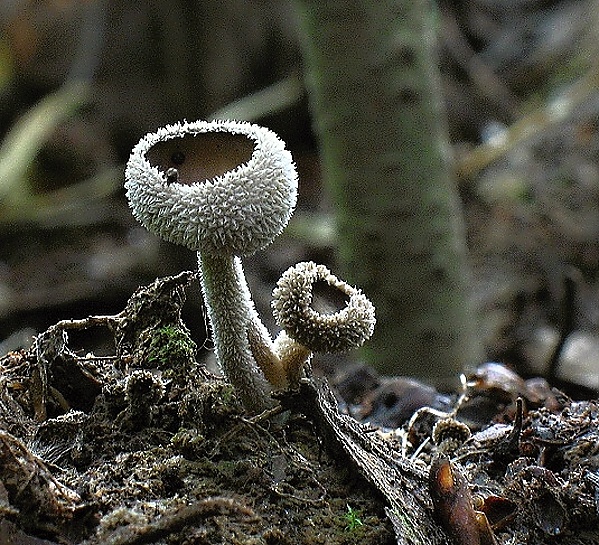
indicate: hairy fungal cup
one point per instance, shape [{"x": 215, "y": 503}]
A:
[
  {"x": 318, "y": 313},
  {"x": 224, "y": 189}
]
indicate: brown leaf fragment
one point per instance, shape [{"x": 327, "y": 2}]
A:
[{"x": 453, "y": 502}]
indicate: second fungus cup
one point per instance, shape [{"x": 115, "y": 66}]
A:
[
  {"x": 318, "y": 313},
  {"x": 224, "y": 189}
]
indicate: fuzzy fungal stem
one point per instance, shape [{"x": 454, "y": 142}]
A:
[{"x": 231, "y": 312}]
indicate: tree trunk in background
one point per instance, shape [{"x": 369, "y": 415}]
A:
[{"x": 371, "y": 70}]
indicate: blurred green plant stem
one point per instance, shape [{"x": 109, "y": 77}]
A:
[{"x": 19, "y": 202}]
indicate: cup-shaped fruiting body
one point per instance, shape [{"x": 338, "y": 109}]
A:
[
  {"x": 321, "y": 312},
  {"x": 224, "y": 189},
  {"x": 448, "y": 434},
  {"x": 221, "y": 187},
  {"x": 143, "y": 389},
  {"x": 318, "y": 313}
]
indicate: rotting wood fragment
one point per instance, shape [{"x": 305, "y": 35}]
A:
[{"x": 401, "y": 481}]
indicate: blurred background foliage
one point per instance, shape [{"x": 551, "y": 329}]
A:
[{"x": 82, "y": 81}]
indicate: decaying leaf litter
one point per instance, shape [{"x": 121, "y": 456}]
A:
[{"x": 147, "y": 446}]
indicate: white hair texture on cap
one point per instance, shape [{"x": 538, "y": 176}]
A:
[
  {"x": 221, "y": 187},
  {"x": 318, "y": 313},
  {"x": 332, "y": 329}
]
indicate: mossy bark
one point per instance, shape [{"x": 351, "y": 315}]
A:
[{"x": 374, "y": 87}]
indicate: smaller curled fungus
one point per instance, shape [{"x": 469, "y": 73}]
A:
[
  {"x": 326, "y": 329},
  {"x": 449, "y": 434}
]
